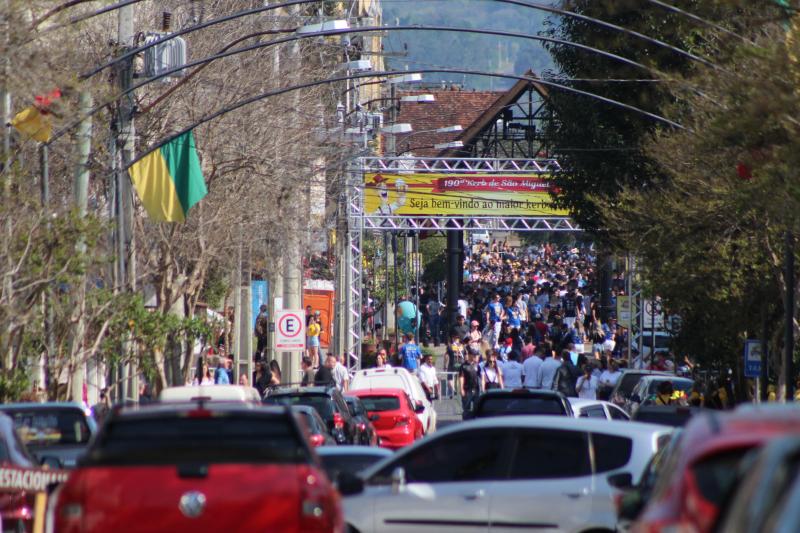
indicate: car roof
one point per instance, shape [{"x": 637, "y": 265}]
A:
[
  {"x": 300, "y": 390},
  {"x": 376, "y": 392},
  {"x": 31, "y": 406},
  {"x": 614, "y": 427},
  {"x": 179, "y": 408},
  {"x": 354, "y": 450},
  {"x": 668, "y": 377},
  {"x": 212, "y": 392},
  {"x": 519, "y": 391},
  {"x": 579, "y": 403},
  {"x": 398, "y": 370},
  {"x": 643, "y": 372}
]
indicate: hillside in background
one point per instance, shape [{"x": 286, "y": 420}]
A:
[{"x": 420, "y": 49}]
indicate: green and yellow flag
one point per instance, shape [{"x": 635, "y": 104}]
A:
[{"x": 169, "y": 181}]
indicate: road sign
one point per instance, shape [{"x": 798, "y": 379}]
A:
[
  {"x": 624, "y": 311},
  {"x": 290, "y": 330},
  {"x": 752, "y": 359},
  {"x": 653, "y": 314}
]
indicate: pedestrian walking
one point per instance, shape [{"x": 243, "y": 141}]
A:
[
  {"x": 262, "y": 331},
  {"x": 470, "y": 383},
  {"x": 410, "y": 354},
  {"x": 491, "y": 375},
  {"x": 312, "y": 333},
  {"x": 586, "y": 385},
  {"x": 512, "y": 371}
]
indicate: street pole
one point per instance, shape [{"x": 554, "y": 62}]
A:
[
  {"x": 394, "y": 296},
  {"x": 49, "y": 319},
  {"x": 788, "y": 358},
  {"x": 81, "y": 196}
]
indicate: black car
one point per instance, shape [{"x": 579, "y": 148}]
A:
[
  {"x": 55, "y": 433},
  {"x": 505, "y": 402},
  {"x": 366, "y": 431},
  {"x": 318, "y": 432},
  {"x": 665, "y": 415},
  {"x": 328, "y": 402}
]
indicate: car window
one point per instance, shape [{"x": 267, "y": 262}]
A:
[
  {"x": 183, "y": 439},
  {"x": 458, "y": 457},
  {"x": 310, "y": 422},
  {"x": 593, "y": 411},
  {"x": 381, "y": 403},
  {"x": 321, "y": 402},
  {"x": 47, "y": 428},
  {"x": 627, "y": 383},
  {"x": 715, "y": 475},
  {"x": 334, "y": 464},
  {"x": 551, "y": 454},
  {"x": 611, "y": 451},
  {"x": 500, "y": 405},
  {"x": 617, "y": 413}
]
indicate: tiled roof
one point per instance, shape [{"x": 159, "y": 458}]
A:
[{"x": 452, "y": 106}]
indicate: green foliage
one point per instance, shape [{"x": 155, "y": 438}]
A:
[
  {"x": 434, "y": 258},
  {"x": 216, "y": 286}
]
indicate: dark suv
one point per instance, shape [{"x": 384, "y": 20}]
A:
[
  {"x": 197, "y": 467},
  {"x": 328, "y": 402},
  {"x": 505, "y": 402}
]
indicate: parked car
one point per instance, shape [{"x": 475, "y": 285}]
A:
[
  {"x": 367, "y": 434},
  {"x": 758, "y": 501},
  {"x": 646, "y": 389},
  {"x": 703, "y": 469},
  {"x": 582, "y": 408},
  {"x": 515, "y": 473},
  {"x": 351, "y": 459},
  {"x": 627, "y": 382},
  {"x": 400, "y": 378},
  {"x": 315, "y": 426},
  {"x": 56, "y": 433},
  {"x": 328, "y": 402},
  {"x": 393, "y": 414},
  {"x": 504, "y": 402},
  {"x": 193, "y": 393},
  {"x": 16, "y": 508},
  {"x": 198, "y": 467},
  {"x": 668, "y": 415}
]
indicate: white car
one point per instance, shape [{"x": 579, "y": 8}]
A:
[
  {"x": 582, "y": 408},
  {"x": 397, "y": 378},
  {"x": 216, "y": 393},
  {"x": 504, "y": 475}
]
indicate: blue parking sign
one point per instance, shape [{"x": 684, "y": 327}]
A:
[{"x": 752, "y": 358}]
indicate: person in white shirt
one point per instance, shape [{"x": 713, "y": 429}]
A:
[
  {"x": 512, "y": 371},
  {"x": 340, "y": 374},
  {"x": 548, "y": 371},
  {"x": 608, "y": 379},
  {"x": 586, "y": 386},
  {"x": 427, "y": 377},
  {"x": 531, "y": 369}
]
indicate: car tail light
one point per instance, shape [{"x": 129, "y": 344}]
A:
[
  {"x": 362, "y": 426},
  {"x": 319, "y": 506},
  {"x": 402, "y": 421},
  {"x": 338, "y": 421},
  {"x": 317, "y": 440}
]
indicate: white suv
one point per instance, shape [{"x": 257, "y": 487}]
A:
[
  {"x": 398, "y": 378},
  {"x": 505, "y": 474}
]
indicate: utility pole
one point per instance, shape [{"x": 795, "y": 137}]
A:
[
  {"x": 81, "y": 196},
  {"x": 126, "y": 133},
  {"x": 788, "y": 357}
]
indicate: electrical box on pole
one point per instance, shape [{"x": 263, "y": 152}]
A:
[{"x": 164, "y": 56}]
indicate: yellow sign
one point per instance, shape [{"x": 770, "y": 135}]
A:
[
  {"x": 624, "y": 311},
  {"x": 459, "y": 194}
]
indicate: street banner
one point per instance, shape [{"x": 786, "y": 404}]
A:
[
  {"x": 15, "y": 479},
  {"x": 459, "y": 194},
  {"x": 259, "y": 297},
  {"x": 290, "y": 330}
]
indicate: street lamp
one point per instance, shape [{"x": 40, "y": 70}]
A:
[
  {"x": 405, "y": 78},
  {"x": 418, "y": 98},
  {"x": 328, "y": 25},
  {"x": 394, "y": 129}
]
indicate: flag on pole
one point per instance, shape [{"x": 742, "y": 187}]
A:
[
  {"x": 35, "y": 121},
  {"x": 169, "y": 180}
]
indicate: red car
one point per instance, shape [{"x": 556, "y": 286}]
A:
[
  {"x": 16, "y": 508},
  {"x": 393, "y": 415},
  {"x": 702, "y": 468},
  {"x": 198, "y": 467}
]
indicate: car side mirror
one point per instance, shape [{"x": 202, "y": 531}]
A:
[
  {"x": 349, "y": 484},
  {"x": 374, "y": 418},
  {"x": 398, "y": 480},
  {"x": 621, "y": 481},
  {"x": 419, "y": 408},
  {"x": 51, "y": 462},
  {"x": 631, "y": 505}
]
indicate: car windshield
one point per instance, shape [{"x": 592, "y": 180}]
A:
[
  {"x": 518, "y": 405},
  {"x": 381, "y": 403},
  {"x": 627, "y": 383},
  {"x": 183, "y": 439},
  {"x": 683, "y": 385},
  {"x": 38, "y": 427},
  {"x": 320, "y": 402},
  {"x": 352, "y": 463},
  {"x": 714, "y": 475}
]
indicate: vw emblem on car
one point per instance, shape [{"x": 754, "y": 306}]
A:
[{"x": 192, "y": 504}]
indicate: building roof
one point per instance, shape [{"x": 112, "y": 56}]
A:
[{"x": 452, "y": 106}]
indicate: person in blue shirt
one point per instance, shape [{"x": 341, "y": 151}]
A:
[
  {"x": 512, "y": 313},
  {"x": 221, "y": 376},
  {"x": 410, "y": 354},
  {"x": 495, "y": 316}
]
